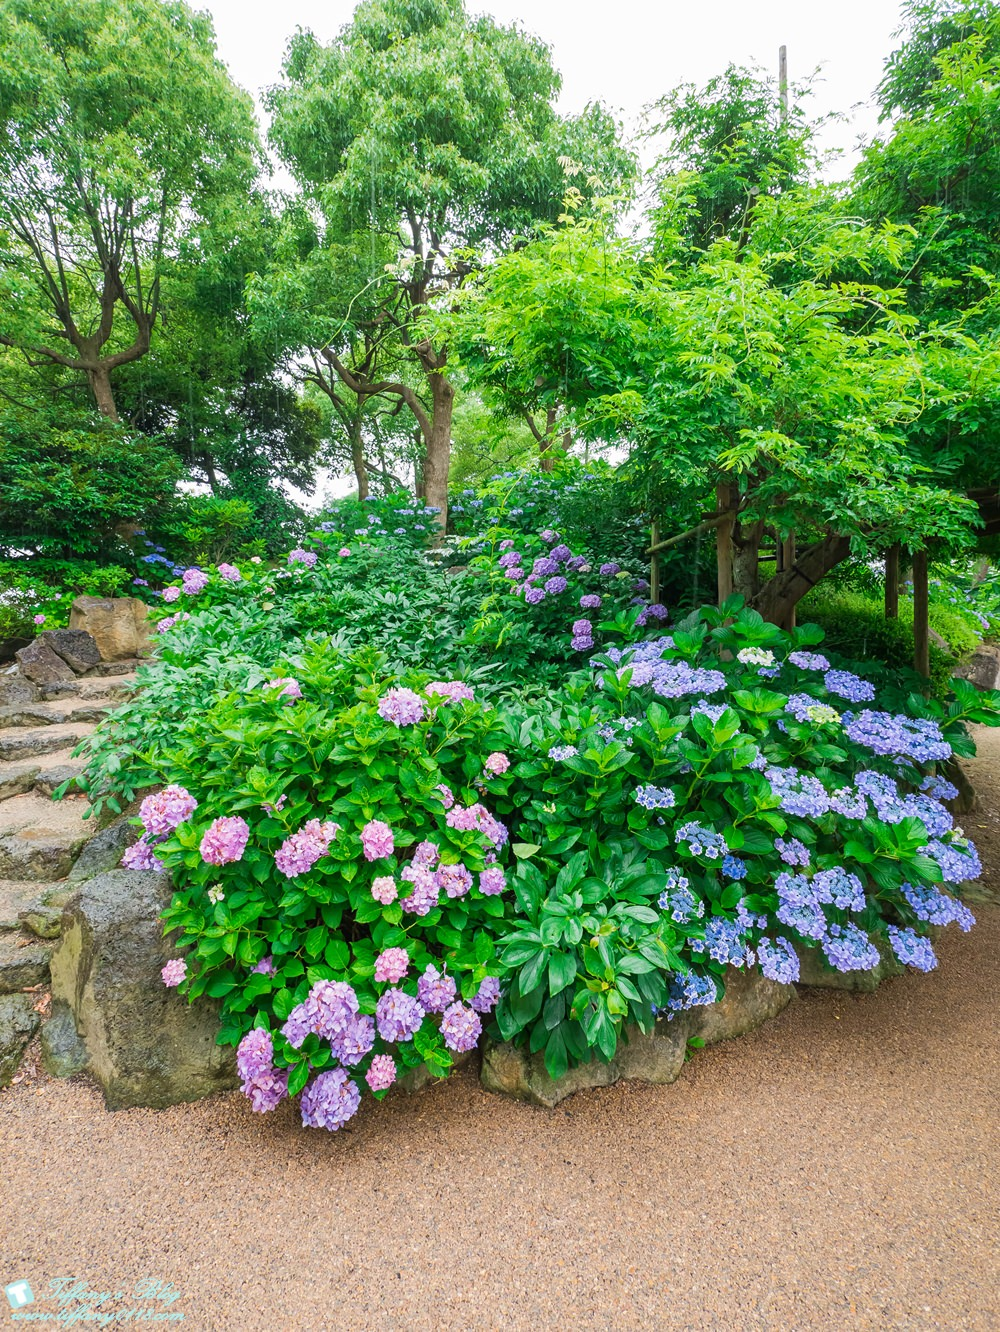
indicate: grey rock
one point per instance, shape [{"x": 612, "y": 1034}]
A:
[
  {"x": 145, "y": 1044},
  {"x": 32, "y": 744},
  {"x": 966, "y": 801},
  {"x": 815, "y": 970},
  {"x": 17, "y": 778},
  {"x": 63, "y": 1053},
  {"x": 42, "y": 857},
  {"x": 60, "y": 689},
  {"x": 40, "y": 664},
  {"x": 749, "y": 1000},
  {"x": 18, "y": 1023},
  {"x": 117, "y": 667},
  {"x": 119, "y": 625},
  {"x": 17, "y": 688},
  {"x": 983, "y": 668},
  {"x": 51, "y": 779},
  {"x": 104, "y": 851},
  {"x": 21, "y": 966},
  {"x": 658, "y": 1058},
  {"x": 29, "y": 714},
  {"x": 77, "y": 648}
]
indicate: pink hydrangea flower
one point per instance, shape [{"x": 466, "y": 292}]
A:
[
  {"x": 454, "y": 690},
  {"x": 392, "y": 965},
  {"x": 377, "y": 840},
  {"x": 265, "y": 967},
  {"x": 300, "y": 852},
  {"x": 171, "y": 593},
  {"x": 343, "y": 552},
  {"x": 225, "y": 841},
  {"x": 447, "y": 797},
  {"x": 381, "y": 1073},
  {"x": 166, "y": 623},
  {"x": 230, "y": 573},
  {"x": 174, "y": 972},
  {"x": 140, "y": 857},
  {"x": 497, "y": 764},
  {"x": 460, "y": 1027},
  {"x": 39, "y": 619},
  {"x": 162, "y": 812},
  {"x": 289, "y": 688},
  {"x": 256, "y": 559},
  {"x": 401, "y": 706},
  {"x": 384, "y": 889},
  {"x": 424, "y": 897}
]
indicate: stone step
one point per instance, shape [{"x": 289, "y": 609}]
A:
[
  {"x": 53, "y": 713},
  {"x": 24, "y": 961},
  {"x": 39, "y": 838},
  {"x": 24, "y": 744},
  {"x": 42, "y": 774},
  {"x": 33, "y": 907}
]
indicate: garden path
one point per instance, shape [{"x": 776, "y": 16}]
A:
[{"x": 835, "y": 1169}]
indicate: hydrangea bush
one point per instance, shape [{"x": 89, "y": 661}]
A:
[
  {"x": 338, "y": 874},
  {"x": 720, "y": 797}
]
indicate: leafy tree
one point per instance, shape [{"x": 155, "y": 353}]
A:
[
  {"x": 120, "y": 133},
  {"x": 760, "y": 387},
  {"x": 434, "y": 131}
]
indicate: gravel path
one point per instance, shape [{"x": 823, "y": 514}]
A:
[{"x": 834, "y": 1171}]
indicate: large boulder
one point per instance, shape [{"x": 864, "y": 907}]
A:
[
  {"x": 749, "y": 1000},
  {"x": 18, "y": 1023},
  {"x": 41, "y": 665},
  {"x": 24, "y": 962},
  {"x": 119, "y": 625},
  {"x": 983, "y": 668},
  {"x": 144, "y": 1043},
  {"x": 77, "y": 648}
]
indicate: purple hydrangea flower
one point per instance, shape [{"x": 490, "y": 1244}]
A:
[
  {"x": 846, "y": 685},
  {"x": 849, "y": 949},
  {"x": 230, "y": 573},
  {"x": 424, "y": 896},
  {"x": 171, "y": 594},
  {"x": 778, "y": 960},
  {"x": 140, "y": 857},
  {"x": 560, "y": 553},
  {"x": 300, "y": 556},
  {"x": 610, "y": 569},
  {"x": 533, "y": 595},
  {"x": 265, "y": 967},
  {"x": 330, "y": 1100},
  {"x": 288, "y": 687},
  {"x": 398, "y": 1016},
  {"x": 792, "y": 851},
  {"x": 435, "y": 991},
  {"x": 492, "y": 881},
  {"x": 590, "y": 601},
  {"x": 487, "y": 996},
  {"x": 354, "y": 1040},
  {"x": 912, "y": 949},
  {"x": 809, "y": 661},
  {"x": 454, "y": 880},
  {"x": 461, "y": 1027},
  {"x": 455, "y": 690},
  {"x": 194, "y": 580}
]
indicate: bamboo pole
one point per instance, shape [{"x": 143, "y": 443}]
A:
[
  {"x": 654, "y": 564},
  {"x": 706, "y": 526}
]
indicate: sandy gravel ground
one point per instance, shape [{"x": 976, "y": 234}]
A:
[{"x": 834, "y": 1171}]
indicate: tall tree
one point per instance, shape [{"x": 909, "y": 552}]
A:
[
  {"x": 120, "y": 130},
  {"x": 436, "y": 131}
]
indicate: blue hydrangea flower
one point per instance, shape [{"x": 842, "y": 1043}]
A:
[
  {"x": 912, "y": 949},
  {"x": 655, "y": 797},
  {"x": 733, "y": 867},
  {"x": 849, "y": 949},
  {"x": 778, "y": 960},
  {"x": 846, "y": 685},
  {"x": 702, "y": 841}
]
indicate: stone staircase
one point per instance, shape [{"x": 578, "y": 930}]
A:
[{"x": 41, "y": 839}]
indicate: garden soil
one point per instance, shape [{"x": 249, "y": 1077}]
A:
[{"x": 834, "y": 1171}]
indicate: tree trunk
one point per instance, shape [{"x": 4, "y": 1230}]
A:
[
  {"x": 210, "y": 475},
  {"x": 100, "y": 386},
  {"x": 358, "y": 458},
  {"x": 921, "y": 616},
  {"x": 437, "y": 452},
  {"x": 782, "y": 593},
  {"x": 746, "y": 559},
  {"x": 892, "y": 583},
  {"x": 724, "y": 544}
]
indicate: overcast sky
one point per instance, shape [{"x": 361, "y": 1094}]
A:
[{"x": 628, "y": 53}]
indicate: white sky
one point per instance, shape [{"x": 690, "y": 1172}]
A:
[
  {"x": 626, "y": 54},
  {"x": 630, "y": 52}
]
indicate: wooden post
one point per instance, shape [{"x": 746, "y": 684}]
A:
[
  {"x": 724, "y": 544},
  {"x": 921, "y": 623},
  {"x": 892, "y": 582},
  {"x": 654, "y": 564},
  {"x": 783, "y": 81}
]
